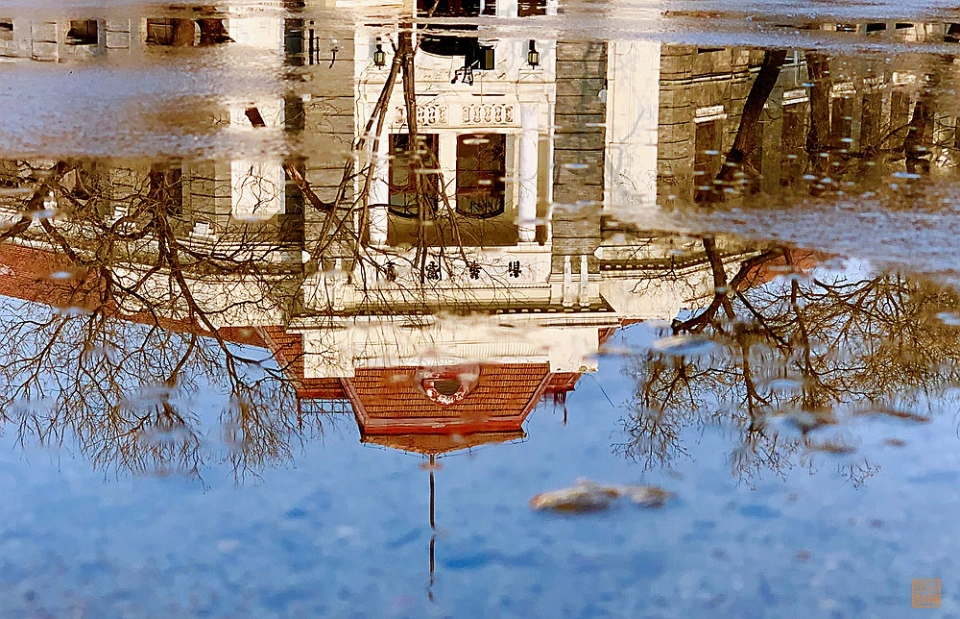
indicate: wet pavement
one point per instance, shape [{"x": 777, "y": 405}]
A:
[{"x": 479, "y": 309}]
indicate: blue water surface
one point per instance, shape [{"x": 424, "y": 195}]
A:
[{"x": 343, "y": 529}]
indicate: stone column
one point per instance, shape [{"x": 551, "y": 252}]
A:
[
  {"x": 529, "y": 161},
  {"x": 584, "y": 283},
  {"x": 566, "y": 296},
  {"x": 379, "y": 196}
]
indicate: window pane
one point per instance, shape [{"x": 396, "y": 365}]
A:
[
  {"x": 82, "y": 32},
  {"x": 481, "y": 166},
  {"x": 707, "y": 160},
  {"x": 403, "y": 197}
]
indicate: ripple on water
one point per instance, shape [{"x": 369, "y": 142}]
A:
[
  {"x": 884, "y": 413},
  {"x": 782, "y": 385},
  {"x": 950, "y": 319},
  {"x": 800, "y": 422},
  {"x": 691, "y": 346}
]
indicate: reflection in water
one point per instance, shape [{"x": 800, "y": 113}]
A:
[
  {"x": 431, "y": 232},
  {"x": 804, "y": 355},
  {"x": 418, "y": 252},
  {"x": 420, "y": 282}
]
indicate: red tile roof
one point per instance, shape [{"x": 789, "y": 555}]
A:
[
  {"x": 388, "y": 401},
  {"x": 803, "y": 261},
  {"x": 392, "y": 410},
  {"x": 46, "y": 277},
  {"x": 288, "y": 350},
  {"x": 562, "y": 382},
  {"x": 42, "y": 276}
]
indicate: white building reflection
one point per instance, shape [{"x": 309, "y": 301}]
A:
[{"x": 508, "y": 272}]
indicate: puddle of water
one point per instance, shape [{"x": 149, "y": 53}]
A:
[{"x": 535, "y": 309}]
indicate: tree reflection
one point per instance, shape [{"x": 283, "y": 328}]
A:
[
  {"x": 118, "y": 326},
  {"x": 794, "y": 355},
  {"x": 127, "y": 316},
  {"x": 857, "y": 121},
  {"x": 160, "y": 302}
]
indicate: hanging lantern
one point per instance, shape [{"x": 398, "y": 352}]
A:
[
  {"x": 379, "y": 56},
  {"x": 533, "y": 56}
]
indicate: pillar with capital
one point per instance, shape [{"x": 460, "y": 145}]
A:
[{"x": 528, "y": 173}]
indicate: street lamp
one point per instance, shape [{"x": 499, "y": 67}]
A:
[
  {"x": 533, "y": 56},
  {"x": 379, "y": 56}
]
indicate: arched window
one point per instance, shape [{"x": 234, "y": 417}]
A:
[{"x": 448, "y": 385}]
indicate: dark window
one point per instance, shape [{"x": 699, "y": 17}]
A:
[
  {"x": 294, "y": 117},
  {"x": 876, "y": 27},
  {"x": 841, "y": 122},
  {"x": 755, "y": 157},
  {"x": 953, "y": 33},
  {"x": 166, "y": 189},
  {"x": 442, "y": 45},
  {"x": 870, "y": 121},
  {"x": 83, "y": 32},
  {"x": 793, "y": 143},
  {"x": 482, "y": 58},
  {"x": 86, "y": 182},
  {"x": 212, "y": 32},
  {"x": 160, "y": 31},
  {"x": 291, "y": 220},
  {"x": 899, "y": 114},
  {"x": 171, "y": 32},
  {"x": 899, "y": 109},
  {"x": 6, "y": 29},
  {"x": 404, "y": 170},
  {"x": 531, "y": 8},
  {"x": 293, "y": 41},
  {"x": 707, "y": 160},
  {"x": 449, "y": 8},
  {"x": 481, "y": 166}
]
